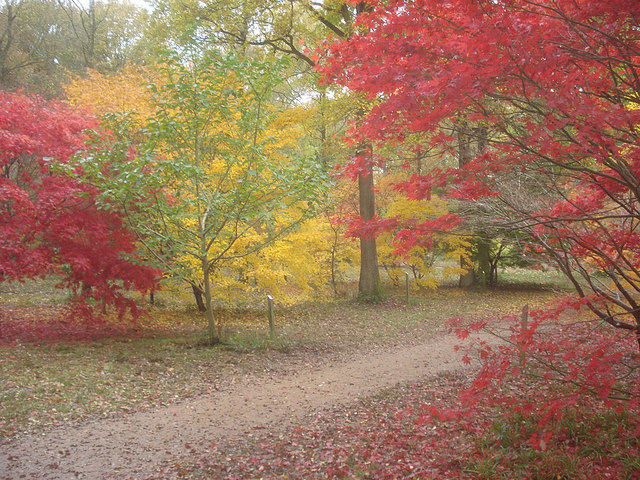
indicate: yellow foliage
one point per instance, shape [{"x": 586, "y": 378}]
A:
[
  {"x": 419, "y": 261},
  {"x": 294, "y": 268},
  {"x": 122, "y": 92},
  {"x": 287, "y": 128}
]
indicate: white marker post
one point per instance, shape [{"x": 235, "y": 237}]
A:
[{"x": 270, "y": 312}]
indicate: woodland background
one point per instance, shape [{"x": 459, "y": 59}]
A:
[{"x": 191, "y": 154}]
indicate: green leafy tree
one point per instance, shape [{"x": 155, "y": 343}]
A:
[
  {"x": 101, "y": 35},
  {"x": 210, "y": 184}
]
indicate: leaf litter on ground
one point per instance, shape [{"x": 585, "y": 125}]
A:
[{"x": 160, "y": 360}]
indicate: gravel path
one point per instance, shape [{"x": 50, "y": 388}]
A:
[{"x": 135, "y": 445}]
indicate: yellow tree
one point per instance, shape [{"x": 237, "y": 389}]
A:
[
  {"x": 319, "y": 248},
  {"x": 293, "y": 29},
  {"x": 312, "y": 260},
  {"x": 420, "y": 259},
  {"x": 223, "y": 186},
  {"x": 124, "y": 92}
]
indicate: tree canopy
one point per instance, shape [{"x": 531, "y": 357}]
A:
[{"x": 554, "y": 89}]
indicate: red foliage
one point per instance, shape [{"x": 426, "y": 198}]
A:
[
  {"x": 50, "y": 224},
  {"x": 558, "y": 366},
  {"x": 552, "y": 89},
  {"x": 58, "y": 324},
  {"x": 553, "y": 86}
]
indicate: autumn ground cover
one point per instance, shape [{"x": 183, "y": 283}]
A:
[
  {"x": 409, "y": 431},
  {"x": 392, "y": 435},
  {"x": 57, "y": 369},
  {"x": 545, "y": 422}
]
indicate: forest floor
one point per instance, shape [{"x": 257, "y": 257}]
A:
[
  {"x": 142, "y": 407},
  {"x": 138, "y": 444}
]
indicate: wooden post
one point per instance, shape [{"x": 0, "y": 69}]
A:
[
  {"x": 270, "y": 312},
  {"x": 406, "y": 278},
  {"x": 524, "y": 322}
]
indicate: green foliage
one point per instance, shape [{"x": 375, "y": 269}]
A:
[
  {"x": 42, "y": 41},
  {"x": 533, "y": 278},
  {"x": 213, "y": 182},
  {"x": 254, "y": 340}
]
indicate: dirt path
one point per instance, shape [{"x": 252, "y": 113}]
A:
[{"x": 135, "y": 445}]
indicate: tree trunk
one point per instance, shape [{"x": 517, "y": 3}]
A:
[
  {"x": 483, "y": 246},
  {"x": 494, "y": 274},
  {"x": 467, "y": 279},
  {"x": 472, "y": 142},
  {"x": 197, "y": 294},
  {"x": 211, "y": 320},
  {"x": 369, "y": 283},
  {"x": 6, "y": 41},
  {"x": 334, "y": 248}
]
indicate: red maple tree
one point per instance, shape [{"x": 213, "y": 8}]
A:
[
  {"x": 550, "y": 91},
  {"x": 51, "y": 224}
]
